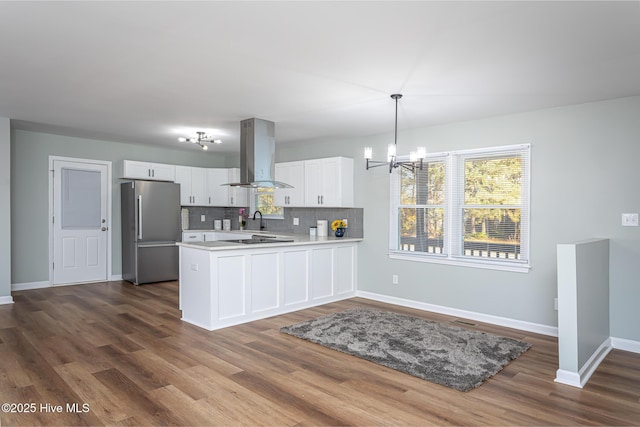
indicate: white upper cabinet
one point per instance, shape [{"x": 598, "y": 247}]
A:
[
  {"x": 291, "y": 173},
  {"x": 224, "y": 195},
  {"x": 237, "y": 196},
  {"x": 316, "y": 183},
  {"x": 150, "y": 171},
  {"x": 328, "y": 182},
  {"x": 193, "y": 185},
  {"x": 218, "y": 194}
]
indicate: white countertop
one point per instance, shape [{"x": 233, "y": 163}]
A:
[{"x": 298, "y": 240}]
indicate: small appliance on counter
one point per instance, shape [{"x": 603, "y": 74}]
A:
[{"x": 323, "y": 228}]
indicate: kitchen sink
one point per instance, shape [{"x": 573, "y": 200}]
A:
[
  {"x": 254, "y": 240},
  {"x": 261, "y": 239}
]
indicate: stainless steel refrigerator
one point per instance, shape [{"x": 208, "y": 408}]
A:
[{"x": 150, "y": 230}]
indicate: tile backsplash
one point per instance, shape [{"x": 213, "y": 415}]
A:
[{"x": 307, "y": 217}]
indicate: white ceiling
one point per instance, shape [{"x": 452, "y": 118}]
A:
[{"x": 148, "y": 72}]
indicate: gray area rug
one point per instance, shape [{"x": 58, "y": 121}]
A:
[{"x": 454, "y": 357}]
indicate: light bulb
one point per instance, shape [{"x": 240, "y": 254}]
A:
[
  {"x": 182, "y": 139},
  {"x": 193, "y": 140},
  {"x": 204, "y": 147},
  {"x": 217, "y": 141},
  {"x": 368, "y": 153},
  {"x": 413, "y": 156},
  {"x": 391, "y": 152},
  {"x": 422, "y": 152}
]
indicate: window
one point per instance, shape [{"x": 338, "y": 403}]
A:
[
  {"x": 465, "y": 208},
  {"x": 263, "y": 201}
]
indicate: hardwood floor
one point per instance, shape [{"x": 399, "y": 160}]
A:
[{"x": 123, "y": 353}]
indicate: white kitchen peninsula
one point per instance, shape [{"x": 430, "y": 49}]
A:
[{"x": 228, "y": 283}]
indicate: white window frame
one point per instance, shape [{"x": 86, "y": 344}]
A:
[
  {"x": 253, "y": 205},
  {"x": 453, "y": 194}
]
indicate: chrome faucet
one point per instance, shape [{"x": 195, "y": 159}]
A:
[{"x": 261, "y": 222}]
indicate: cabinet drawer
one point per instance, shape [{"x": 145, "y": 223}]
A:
[{"x": 193, "y": 237}]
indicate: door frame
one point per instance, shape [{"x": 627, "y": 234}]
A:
[{"x": 109, "y": 222}]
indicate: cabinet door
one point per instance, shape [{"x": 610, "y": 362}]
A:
[
  {"x": 345, "y": 261},
  {"x": 199, "y": 186},
  {"x": 291, "y": 173},
  {"x": 183, "y": 177},
  {"x": 313, "y": 182},
  {"x": 297, "y": 179},
  {"x": 238, "y": 196},
  {"x": 282, "y": 175},
  {"x": 321, "y": 273},
  {"x": 161, "y": 172},
  {"x": 218, "y": 194},
  {"x": 331, "y": 182},
  {"x": 135, "y": 170},
  {"x": 296, "y": 277}
]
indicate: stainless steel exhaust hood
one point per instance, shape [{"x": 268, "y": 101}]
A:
[{"x": 257, "y": 155}]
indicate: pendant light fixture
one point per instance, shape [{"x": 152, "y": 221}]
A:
[
  {"x": 200, "y": 139},
  {"x": 415, "y": 157}
]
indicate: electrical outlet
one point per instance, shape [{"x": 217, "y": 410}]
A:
[
  {"x": 203, "y": 218},
  {"x": 629, "y": 219},
  {"x": 296, "y": 221},
  {"x": 346, "y": 222},
  {"x": 394, "y": 279}
]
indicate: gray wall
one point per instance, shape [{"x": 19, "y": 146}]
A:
[
  {"x": 5, "y": 207},
  {"x": 30, "y": 153},
  {"x": 592, "y": 297},
  {"x": 584, "y": 175},
  {"x": 583, "y": 301}
]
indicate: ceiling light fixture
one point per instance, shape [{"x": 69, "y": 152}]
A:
[
  {"x": 415, "y": 157},
  {"x": 200, "y": 139}
]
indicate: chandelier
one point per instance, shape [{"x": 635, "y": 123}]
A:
[
  {"x": 415, "y": 157},
  {"x": 200, "y": 139}
]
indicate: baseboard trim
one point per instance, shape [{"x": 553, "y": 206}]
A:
[
  {"x": 568, "y": 378},
  {"x": 6, "y": 300},
  {"x": 479, "y": 317},
  {"x": 580, "y": 378},
  {"x": 626, "y": 345},
  {"x": 46, "y": 284},
  {"x": 30, "y": 285}
]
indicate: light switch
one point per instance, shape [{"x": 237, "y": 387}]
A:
[{"x": 629, "y": 219}]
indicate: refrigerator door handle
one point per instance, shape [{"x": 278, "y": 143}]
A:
[{"x": 140, "y": 216}]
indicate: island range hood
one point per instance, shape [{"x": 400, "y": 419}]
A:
[{"x": 257, "y": 155}]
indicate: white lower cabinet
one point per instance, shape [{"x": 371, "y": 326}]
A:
[
  {"x": 238, "y": 286},
  {"x": 265, "y": 294},
  {"x": 231, "y": 297},
  {"x": 345, "y": 274},
  {"x": 322, "y": 269},
  {"x": 295, "y": 277}
]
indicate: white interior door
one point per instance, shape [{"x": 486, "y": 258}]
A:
[{"x": 80, "y": 222}]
